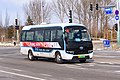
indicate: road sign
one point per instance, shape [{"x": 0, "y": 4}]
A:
[
  {"x": 117, "y": 17},
  {"x": 108, "y": 10},
  {"x": 106, "y": 43},
  {"x": 116, "y": 12}
]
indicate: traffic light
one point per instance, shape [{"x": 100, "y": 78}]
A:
[
  {"x": 16, "y": 21},
  {"x": 91, "y": 7},
  {"x": 96, "y": 6},
  {"x": 116, "y": 27},
  {"x": 16, "y": 24},
  {"x": 70, "y": 16}
]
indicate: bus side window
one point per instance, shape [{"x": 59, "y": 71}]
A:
[
  {"x": 53, "y": 35},
  {"x": 47, "y": 35},
  {"x": 59, "y": 35},
  {"x": 39, "y": 35},
  {"x": 30, "y": 36},
  {"x": 23, "y": 36}
]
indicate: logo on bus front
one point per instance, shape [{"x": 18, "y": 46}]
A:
[{"x": 81, "y": 48}]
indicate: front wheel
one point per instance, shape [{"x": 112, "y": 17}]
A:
[
  {"x": 58, "y": 58},
  {"x": 31, "y": 56}
]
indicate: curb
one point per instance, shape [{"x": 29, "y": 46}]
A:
[
  {"x": 9, "y": 46},
  {"x": 109, "y": 63}
]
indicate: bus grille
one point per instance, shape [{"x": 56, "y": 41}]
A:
[{"x": 80, "y": 52}]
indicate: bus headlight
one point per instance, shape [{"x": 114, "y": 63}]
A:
[
  {"x": 90, "y": 51},
  {"x": 70, "y": 52}
]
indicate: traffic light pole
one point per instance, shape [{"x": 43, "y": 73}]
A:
[
  {"x": 118, "y": 33},
  {"x": 17, "y": 28},
  {"x": 17, "y": 36}
]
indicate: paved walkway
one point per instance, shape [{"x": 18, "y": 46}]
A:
[
  {"x": 96, "y": 45},
  {"x": 106, "y": 60},
  {"x": 7, "y": 44}
]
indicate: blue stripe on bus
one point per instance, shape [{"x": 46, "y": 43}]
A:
[{"x": 41, "y": 50}]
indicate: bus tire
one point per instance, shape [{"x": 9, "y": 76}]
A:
[
  {"x": 31, "y": 56},
  {"x": 58, "y": 58}
]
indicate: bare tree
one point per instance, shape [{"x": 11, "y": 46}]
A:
[
  {"x": 1, "y": 26},
  {"x": 6, "y": 25},
  {"x": 104, "y": 19},
  {"x": 38, "y": 10},
  {"x": 62, "y": 8},
  {"x": 59, "y": 8},
  {"x": 1, "y": 23},
  {"x": 78, "y": 11},
  {"x": 7, "y": 19},
  {"x": 82, "y": 11}
]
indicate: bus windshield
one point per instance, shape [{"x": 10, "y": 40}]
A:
[{"x": 77, "y": 34}]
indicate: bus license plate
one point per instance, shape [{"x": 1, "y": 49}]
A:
[{"x": 81, "y": 56}]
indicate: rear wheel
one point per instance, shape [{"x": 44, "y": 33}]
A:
[
  {"x": 58, "y": 58},
  {"x": 31, "y": 56}
]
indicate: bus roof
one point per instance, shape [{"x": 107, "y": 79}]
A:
[{"x": 51, "y": 25}]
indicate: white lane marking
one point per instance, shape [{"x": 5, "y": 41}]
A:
[
  {"x": 46, "y": 75},
  {"x": 16, "y": 69},
  {"x": 79, "y": 67},
  {"x": 1, "y": 58},
  {"x": 71, "y": 66},
  {"x": 70, "y": 79},
  {"x": 11, "y": 68},
  {"x": 106, "y": 62},
  {"x": 91, "y": 64},
  {"x": 79, "y": 64},
  {"x": 75, "y": 67},
  {"x": 107, "y": 56},
  {"x": 21, "y": 75},
  {"x": 117, "y": 71}
]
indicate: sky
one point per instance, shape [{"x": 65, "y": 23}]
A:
[{"x": 13, "y": 7}]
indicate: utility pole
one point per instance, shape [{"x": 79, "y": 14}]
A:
[
  {"x": 42, "y": 11},
  {"x": 97, "y": 19},
  {"x": 91, "y": 9},
  {"x": 96, "y": 10},
  {"x": 17, "y": 28},
  {"x": 118, "y": 33}
]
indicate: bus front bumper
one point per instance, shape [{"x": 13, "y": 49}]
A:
[{"x": 80, "y": 56}]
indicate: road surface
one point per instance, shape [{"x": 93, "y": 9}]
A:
[{"x": 14, "y": 66}]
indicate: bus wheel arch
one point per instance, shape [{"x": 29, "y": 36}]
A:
[
  {"x": 30, "y": 55},
  {"x": 58, "y": 57}
]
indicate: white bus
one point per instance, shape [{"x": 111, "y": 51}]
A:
[{"x": 65, "y": 41}]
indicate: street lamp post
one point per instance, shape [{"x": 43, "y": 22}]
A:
[
  {"x": 118, "y": 33},
  {"x": 42, "y": 11}
]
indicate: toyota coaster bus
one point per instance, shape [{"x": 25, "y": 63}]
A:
[{"x": 65, "y": 41}]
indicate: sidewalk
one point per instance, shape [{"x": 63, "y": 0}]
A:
[
  {"x": 107, "y": 61},
  {"x": 98, "y": 45},
  {"x": 4, "y": 44}
]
